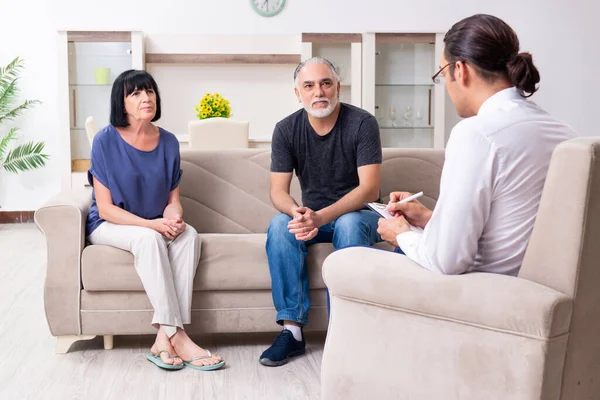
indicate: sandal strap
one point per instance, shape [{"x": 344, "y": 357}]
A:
[
  {"x": 165, "y": 351},
  {"x": 200, "y": 357}
]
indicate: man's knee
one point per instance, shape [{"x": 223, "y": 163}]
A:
[
  {"x": 351, "y": 230},
  {"x": 279, "y": 225},
  {"x": 348, "y": 223}
]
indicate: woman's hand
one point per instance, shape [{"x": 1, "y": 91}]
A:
[
  {"x": 169, "y": 227},
  {"x": 177, "y": 224}
]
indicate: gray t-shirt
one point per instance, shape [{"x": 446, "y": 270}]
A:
[{"x": 326, "y": 166}]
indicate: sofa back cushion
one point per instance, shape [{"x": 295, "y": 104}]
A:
[{"x": 227, "y": 191}]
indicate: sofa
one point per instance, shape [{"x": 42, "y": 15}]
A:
[
  {"x": 93, "y": 290},
  {"x": 407, "y": 333}
]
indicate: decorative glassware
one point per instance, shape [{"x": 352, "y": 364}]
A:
[
  {"x": 419, "y": 117},
  {"x": 393, "y": 116},
  {"x": 408, "y": 115}
]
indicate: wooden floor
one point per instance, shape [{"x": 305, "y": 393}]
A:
[{"x": 29, "y": 369}]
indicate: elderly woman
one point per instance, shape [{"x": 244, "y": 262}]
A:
[{"x": 135, "y": 174}]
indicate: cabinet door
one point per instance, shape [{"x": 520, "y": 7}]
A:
[
  {"x": 89, "y": 62},
  {"x": 93, "y": 67},
  {"x": 399, "y": 91}
]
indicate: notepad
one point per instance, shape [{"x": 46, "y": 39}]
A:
[{"x": 381, "y": 209}]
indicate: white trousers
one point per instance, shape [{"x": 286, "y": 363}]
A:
[{"x": 166, "y": 268}]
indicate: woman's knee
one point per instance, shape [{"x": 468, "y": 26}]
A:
[
  {"x": 189, "y": 234},
  {"x": 149, "y": 237}
]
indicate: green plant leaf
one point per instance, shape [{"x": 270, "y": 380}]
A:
[
  {"x": 11, "y": 135},
  {"x": 25, "y": 157},
  {"x": 18, "y": 110},
  {"x": 8, "y": 84},
  {"x": 9, "y": 91},
  {"x": 29, "y": 155}
]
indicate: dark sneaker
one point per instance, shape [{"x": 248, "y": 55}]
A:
[{"x": 284, "y": 347}]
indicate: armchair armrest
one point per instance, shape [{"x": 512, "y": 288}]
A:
[
  {"x": 62, "y": 221},
  {"x": 490, "y": 301}
]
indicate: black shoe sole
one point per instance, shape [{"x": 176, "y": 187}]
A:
[{"x": 270, "y": 363}]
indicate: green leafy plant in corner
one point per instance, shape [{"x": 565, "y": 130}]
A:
[{"x": 28, "y": 155}]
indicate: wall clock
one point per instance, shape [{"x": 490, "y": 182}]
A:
[{"x": 267, "y": 8}]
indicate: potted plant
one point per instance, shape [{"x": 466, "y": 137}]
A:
[
  {"x": 26, "y": 156},
  {"x": 214, "y": 129},
  {"x": 213, "y": 106}
]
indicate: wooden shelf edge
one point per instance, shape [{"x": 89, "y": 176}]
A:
[
  {"x": 164, "y": 58},
  {"x": 80, "y": 165},
  {"x": 405, "y": 38},
  {"x": 329, "y": 38},
  {"x": 97, "y": 36}
]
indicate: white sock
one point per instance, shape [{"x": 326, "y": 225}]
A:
[{"x": 296, "y": 331}]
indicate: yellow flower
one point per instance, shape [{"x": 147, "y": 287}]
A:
[{"x": 213, "y": 105}]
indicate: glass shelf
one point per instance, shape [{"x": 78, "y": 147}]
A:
[
  {"x": 428, "y": 85},
  {"x": 410, "y": 128}
]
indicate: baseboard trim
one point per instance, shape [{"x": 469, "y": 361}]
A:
[{"x": 16, "y": 217}]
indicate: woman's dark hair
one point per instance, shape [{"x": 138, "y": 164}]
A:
[
  {"x": 125, "y": 84},
  {"x": 492, "y": 47}
]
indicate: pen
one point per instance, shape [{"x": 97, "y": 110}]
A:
[{"x": 411, "y": 198}]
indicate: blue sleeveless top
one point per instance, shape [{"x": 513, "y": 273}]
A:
[{"x": 139, "y": 181}]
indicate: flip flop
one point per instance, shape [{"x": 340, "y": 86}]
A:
[
  {"x": 189, "y": 364},
  {"x": 155, "y": 358}
]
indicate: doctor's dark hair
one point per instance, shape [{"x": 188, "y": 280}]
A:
[
  {"x": 125, "y": 84},
  {"x": 492, "y": 47}
]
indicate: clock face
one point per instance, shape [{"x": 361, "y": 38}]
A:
[{"x": 267, "y": 8}]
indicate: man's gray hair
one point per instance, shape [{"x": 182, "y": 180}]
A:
[{"x": 317, "y": 60}]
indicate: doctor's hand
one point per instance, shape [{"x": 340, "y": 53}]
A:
[
  {"x": 414, "y": 212},
  {"x": 388, "y": 229}
]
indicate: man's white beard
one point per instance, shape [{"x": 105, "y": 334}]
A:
[{"x": 321, "y": 112}]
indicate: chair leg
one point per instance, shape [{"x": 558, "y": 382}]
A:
[
  {"x": 63, "y": 343},
  {"x": 108, "y": 342}
]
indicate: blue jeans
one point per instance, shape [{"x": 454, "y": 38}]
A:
[{"x": 287, "y": 257}]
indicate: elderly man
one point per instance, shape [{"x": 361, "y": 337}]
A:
[{"x": 335, "y": 150}]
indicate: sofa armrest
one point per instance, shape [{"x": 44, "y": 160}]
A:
[
  {"x": 489, "y": 301},
  {"x": 62, "y": 221}
]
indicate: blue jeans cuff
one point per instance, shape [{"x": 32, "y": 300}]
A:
[{"x": 287, "y": 316}]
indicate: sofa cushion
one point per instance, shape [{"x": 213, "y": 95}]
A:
[{"x": 227, "y": 262}]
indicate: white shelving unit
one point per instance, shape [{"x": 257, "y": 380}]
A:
[
  {"x": 83, "y": 95},
  {"x": 379, "y": 71},
  {"x": 398, "y": 90}
]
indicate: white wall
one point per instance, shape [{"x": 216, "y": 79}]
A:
[
  {"x": 560, "y": 34},
  {"x": 182, "y": 86}
]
